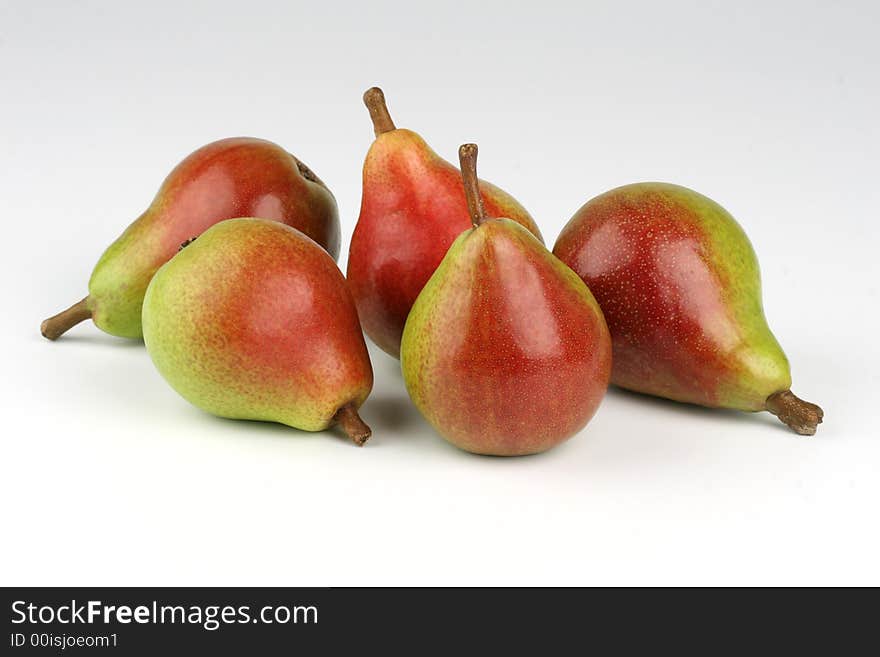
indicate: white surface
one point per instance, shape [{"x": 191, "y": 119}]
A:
[{"x": 108, "y": 477}]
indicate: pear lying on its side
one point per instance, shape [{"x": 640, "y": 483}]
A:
[
  {"x": 679, "y": 284},
  {"x": 229, "y": 178},
  {"x": 505, "y": 351},
  {"x": 253, "y": 320}
]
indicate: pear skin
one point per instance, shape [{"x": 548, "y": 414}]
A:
[
  {"x": 225, "y": 179},
  {"x": 412, "y": 209},
  {"x": 505, "y": 351},
  {"x": 679, "y": 283},
  {"x": 253, "y": 321}
]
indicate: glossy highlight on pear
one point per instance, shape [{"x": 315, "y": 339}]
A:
[
  {"x": 505, "y": 352},
  {"x": 254, "y": 321},
  {"x": 680, "y": 287},
  {"x": 225, "y": 179},
  {"x": 412, "y": 209}
]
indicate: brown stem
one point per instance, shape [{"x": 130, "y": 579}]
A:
[
  {"x": 374, "y": 99},
  {"x": 54, "y": 327},
  {"x": 186, "y": 243},
  {"x": 467, "y": 157},
  {"x": 800, "y": 415},
  {"x": 355, "y": 428}
]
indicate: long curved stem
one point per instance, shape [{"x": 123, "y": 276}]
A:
[
  {"x": 802, "y": 416},
  {"x": 351, "y": 423},
  {"x": 374, "y": 99},
  {"x": 467, "y": 157},
  {"x": 57, "y": 325}
]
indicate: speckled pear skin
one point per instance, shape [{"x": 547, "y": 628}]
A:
[
  {"x": 121, "y": 276},
  {"x": 412, "y": 209},
  {"x": 253, "y": 320},
  {"x": 229, "y": 178},
  {"x": 679, "y": 284},
  {"x": 505, "y": 351}
]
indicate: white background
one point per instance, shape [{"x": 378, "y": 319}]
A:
[{"x": 108, "y": 477}]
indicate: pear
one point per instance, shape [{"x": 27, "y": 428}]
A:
[
  {"x": 505, "y": 351},
  {"x": 412, "y": 209},
  {"x": 680, "y": 286},
  {"x": 225, "y": 179},
  {"x": 253, "y": 321}
]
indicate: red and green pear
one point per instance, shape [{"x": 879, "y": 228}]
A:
[
  {"x": 679, "y": 284},
  {"x": 413, "y": 207},
  {"x": 225, "y": 179},
  {"x": 505, "y": 351},
  {"x": 253, "y": 320}
]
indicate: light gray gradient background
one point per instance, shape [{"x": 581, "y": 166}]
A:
[{"x": 771, "y": 108}]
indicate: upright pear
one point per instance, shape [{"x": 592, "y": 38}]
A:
[
  {"x": 679, "y": 284},
  {"x": 412, "y": 209},
  {"x": 505, "y": 351},
  {"x": 225, "y": 179},
  {"x": 253, "y": 321}
]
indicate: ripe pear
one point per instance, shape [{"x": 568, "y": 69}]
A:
[
  {"x": 680, "y": 286},
  {"x": 412, "y": 209},
  {"x": 254, "y": 321},
  {"x": 225, "y": 179},
  {"x": 505, "y": 351}
]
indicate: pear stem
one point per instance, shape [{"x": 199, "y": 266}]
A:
[
  {"x": 467, "y": 157},
  {"x": 57, "y": 325},
  {"x": 351, "y": 423},
  {"x": 802, "y": 416},
  {"x": 374, "y": 99}
]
